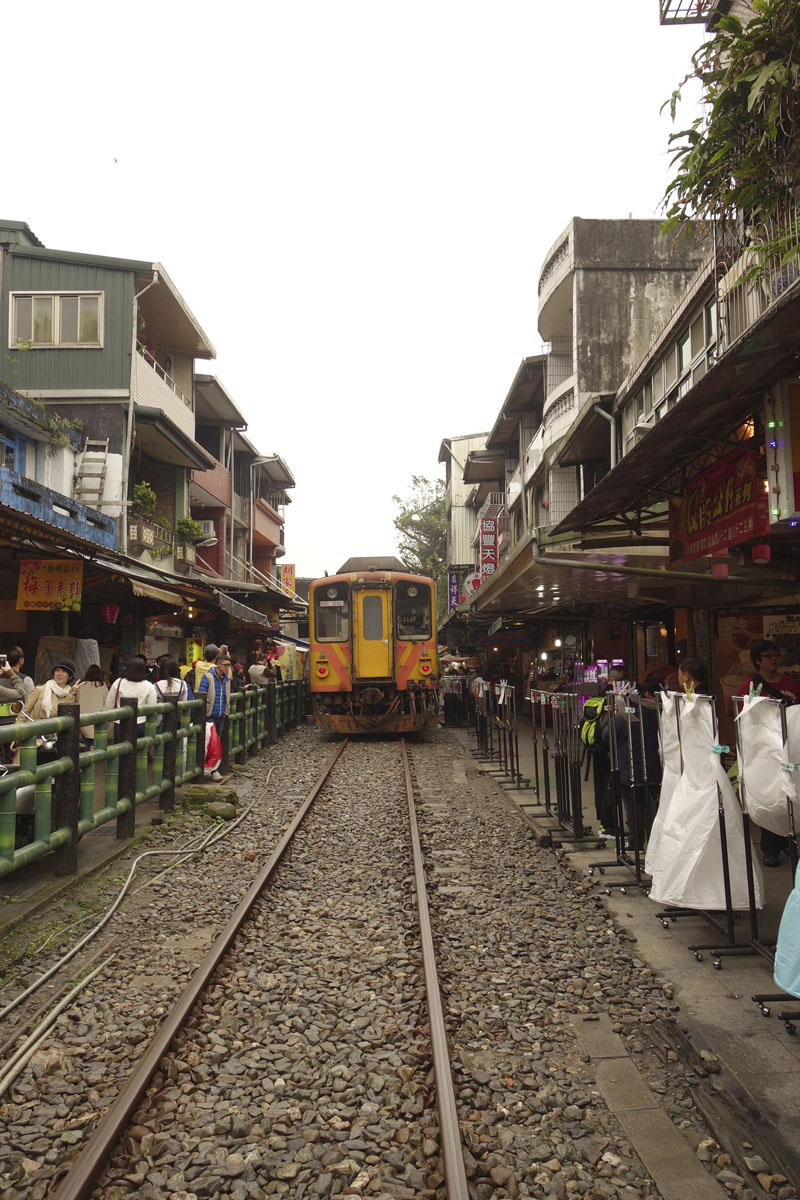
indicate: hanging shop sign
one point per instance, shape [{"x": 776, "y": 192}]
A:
[
  {"x": 488, "y": 546},
  {"x": 517, "y": 636},
  {"x": 50, "y": 583},
  {"x": 453, "y": 590},
  {"x": 472, "y": 583},
  {"x": 721, "y": 507},
  {"x": 287, "y": 576}
]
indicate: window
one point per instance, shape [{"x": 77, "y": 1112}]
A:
[
  {"x": 373, "y": 618},
  {"x": 332, "y": 613},
  {"x": 17, "y": 453},
  {"x": 413, "y": 611},
  {"x": 61, "y": 319}
]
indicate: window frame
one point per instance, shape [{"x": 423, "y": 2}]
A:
[
  {"x": 15, "y": 342},
  {"x": 426, "y": 593}
]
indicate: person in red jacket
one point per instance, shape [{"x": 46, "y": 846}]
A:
[{"x": 769, "y": 681}]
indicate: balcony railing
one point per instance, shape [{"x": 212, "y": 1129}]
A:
[
  {"x": 751, "y": 276},
  {"x": 24, "y": 495},
  {"x": 216, "y": 482},
  {"x": 155, "y": 388}
]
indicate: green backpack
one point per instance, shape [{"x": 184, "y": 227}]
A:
[{"x": 590, "y": 732}]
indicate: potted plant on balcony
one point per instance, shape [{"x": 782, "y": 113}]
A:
[
  {"x": 187, "y": 532},
  {"x": 141, "y": 510}
]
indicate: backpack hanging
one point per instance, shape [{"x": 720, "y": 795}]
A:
[{"x": 590, "y": 731}]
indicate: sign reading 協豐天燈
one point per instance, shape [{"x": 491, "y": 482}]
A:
[{"x": 49, "y": 583}]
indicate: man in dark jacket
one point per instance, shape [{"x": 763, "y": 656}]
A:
[{"x": 639, "y": 773}]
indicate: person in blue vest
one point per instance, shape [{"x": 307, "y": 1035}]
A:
[{"x": 215, "y": 686}]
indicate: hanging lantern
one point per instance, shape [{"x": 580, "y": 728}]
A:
[
  {"x": 109, "y": 613},
  {"x": 761, "y": 555},
  {"x": 719, "y": 570}
]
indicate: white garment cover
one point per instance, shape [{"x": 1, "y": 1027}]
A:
[
  {"x": 687, "y": 871},
  {"x": 761, "y": 763},
  {"x": 670, "y": 774}
]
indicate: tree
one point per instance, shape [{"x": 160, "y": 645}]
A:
[
  {"x": 421, "y": 526},
  {"x": 740, "y": 160}
]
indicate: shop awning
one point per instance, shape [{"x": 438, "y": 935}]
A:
[
  {"x": 291, "y": 641},
  {"x": 241, "y": 612},
  {"x": 154, "y": 593}
]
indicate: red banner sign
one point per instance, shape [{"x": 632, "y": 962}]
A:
[
  {"x": 488, "y": 546},
  {"x": 723, "y": 506}
]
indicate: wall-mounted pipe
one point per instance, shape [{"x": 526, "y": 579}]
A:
[{"x": 598, "y": 408}]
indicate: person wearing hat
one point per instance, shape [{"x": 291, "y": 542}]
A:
[{"x": 44, "y": 700}]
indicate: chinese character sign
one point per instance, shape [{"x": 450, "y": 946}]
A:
[
  {"x": 453, "y": 590},
  {"x": 287, "y": 576},
  {"x": 488, "y": 546},
  {"x": 49, "y": 583},
  {"x": 724, "y": 505}
]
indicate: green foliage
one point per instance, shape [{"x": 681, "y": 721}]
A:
[
  {"x": 188, "y": 530},
  {"x": 741, "y": 158},
  {"x": 62, "y": 431},
  {"x": 421, "y": 526},
  {"x": 143, "y": 501}
]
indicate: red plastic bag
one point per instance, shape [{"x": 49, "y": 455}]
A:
[{"x": 213, "y": 747}]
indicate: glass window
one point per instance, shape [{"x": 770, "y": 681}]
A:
[
  {"x": 43, "y": 320},
  {"x": 685, "y": 350},
  {"x": 58, "y": 320},
  {"x": 373, "y": 618},
  {"x": 711, "y": 321},
  {"x": 698, "y": 336},
  {"x": 332, "y": 613},
  {"x": 69, "y": 318},
  {"x": 658, "y": 383},
  {"x": 648, "y": 396},
  {"x": 23, "y": 319},
  {"x": 413, "y": 611},
  {"x": 639, "y": 405},
  {"x": 671, "y": 367}
]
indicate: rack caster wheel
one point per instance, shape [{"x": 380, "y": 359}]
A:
[
  {"x": 623, "y": 891},
  {"x": 591, "y": 872},
  {"x": 717, "y": 964},
  {"x": 665, "y": 924},
  {"x": 765, "y": 1010},
  {"x": 608, "y": 891},
  {"x": 698, "y": 955},
  {"x": 790, "y": 1028}
]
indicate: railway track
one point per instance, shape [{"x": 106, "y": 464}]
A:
[{"x": 364, "y": 803}]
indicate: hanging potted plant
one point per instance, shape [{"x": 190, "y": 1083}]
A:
[
  {"x": 141, "y": 510},
  {"x": 187, "y": 532}
]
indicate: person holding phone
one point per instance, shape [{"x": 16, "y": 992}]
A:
[{"x": 11, "y": 690}]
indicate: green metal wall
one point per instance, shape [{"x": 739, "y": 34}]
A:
[{"x": 109, "y": 367}]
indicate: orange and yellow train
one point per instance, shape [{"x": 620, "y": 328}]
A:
[{"x": 373, "y": 652}]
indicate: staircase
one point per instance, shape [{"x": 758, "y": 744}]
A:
[{"x": 91, "y": 475}]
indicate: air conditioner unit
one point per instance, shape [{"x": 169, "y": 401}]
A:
[{"x": 208, "y": 529}]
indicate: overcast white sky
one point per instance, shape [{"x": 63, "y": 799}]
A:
[{"x": 354, "y": 198}]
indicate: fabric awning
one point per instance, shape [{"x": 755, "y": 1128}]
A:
[
  {"x": 154, "y": 593},
  {"x": 248, "y": 616}
]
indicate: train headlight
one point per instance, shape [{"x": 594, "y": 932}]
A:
[
  {"x": 331, "y": 593},
  {"x": 412, "y": 591}
]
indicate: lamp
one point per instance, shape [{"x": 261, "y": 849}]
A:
[{"x": 212, "y": 541}]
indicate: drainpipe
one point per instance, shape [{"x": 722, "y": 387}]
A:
[
  {"x": 548, "y": 560},
  {"x": 126, "y": 455},
  {"x": 612, "y": 432}
]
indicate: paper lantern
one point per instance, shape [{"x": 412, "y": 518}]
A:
[
  {"x": 761, "y": 554},
  {"x": 109, "y": 613}
]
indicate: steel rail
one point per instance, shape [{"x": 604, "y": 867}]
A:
[
  {"x": 455, "y": 1175},
  {"x": 77, "y": 1183}
]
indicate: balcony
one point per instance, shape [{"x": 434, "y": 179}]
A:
[
  {"x": 156, "y": 389},
  {"x": 22, "y": 495},
  {"x": 211, "y": 488},
  {"x": 267, "y": 526},
  {"x": 534, "y": 456},
  {"x": 751, "y": 276}
]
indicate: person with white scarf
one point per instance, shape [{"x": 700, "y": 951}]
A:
[{"x": 44, "y": 700}]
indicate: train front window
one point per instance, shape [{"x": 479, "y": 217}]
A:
[
  {"x": 373, "y": 618},
  {"x": 414, "y": 611},
  {"x": 332, "y": 613}
]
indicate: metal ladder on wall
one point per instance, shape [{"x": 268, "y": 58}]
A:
[{"x": 91, "y": 475}]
